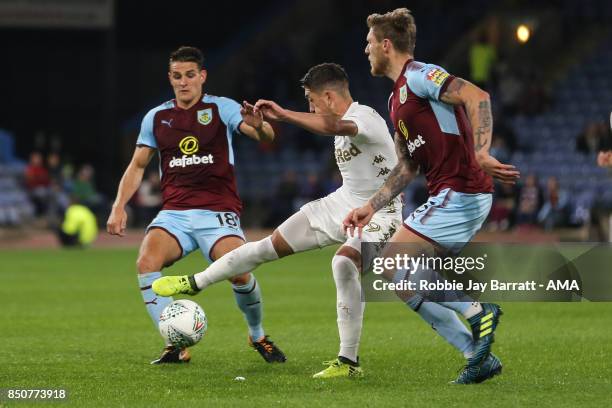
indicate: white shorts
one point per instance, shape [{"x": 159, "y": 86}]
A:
[{"x": 326, "y": 215}]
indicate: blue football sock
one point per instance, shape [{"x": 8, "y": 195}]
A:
[
  {"x": 466, "y": 309},
  {"x": 459, "y": 307},
  {"x": 248, "y": 298},
  {"x": 154, "y": 303},
  {"x": 453, "y": 300},
  {"x": 445, "y": 322}
]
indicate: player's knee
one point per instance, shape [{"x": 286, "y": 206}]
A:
[
  {"x": 241, "y": 279},
  {"x": 281, "y": 247},
  {"x": 147, "y": 263},
  {"x": 344, "y": 268}
]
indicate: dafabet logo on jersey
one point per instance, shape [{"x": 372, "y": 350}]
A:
[
  {"x": 437, "y": 76},
  {"x": 205, "y": 116},
  {"x": 189, "y": 145}
]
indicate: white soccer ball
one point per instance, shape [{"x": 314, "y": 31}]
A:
[{"x": 183, "y": 323}]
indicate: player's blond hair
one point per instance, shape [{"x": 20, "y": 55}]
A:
[{"x": 397, "y": 26}]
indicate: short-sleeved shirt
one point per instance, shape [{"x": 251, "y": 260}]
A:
[
  {"x": 438, "y": 135},
  {"x": 195, "y": 152},
  {"x": 366, "y": 159}
]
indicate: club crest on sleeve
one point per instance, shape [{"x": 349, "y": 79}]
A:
[
  {"x": 437, "y": 76},
  {"x": 205, "y": 116},
  {"x": 403, "y": 93}
]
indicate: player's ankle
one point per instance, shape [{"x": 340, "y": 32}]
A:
[
  {"x": 349, "y": 361},
  {"x": 474, "y": 309}
]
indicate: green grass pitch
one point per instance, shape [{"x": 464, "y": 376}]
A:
[{"x": 75, "y": 320}]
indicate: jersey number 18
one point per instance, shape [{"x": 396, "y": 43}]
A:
[{"x": 230, "y": 219}]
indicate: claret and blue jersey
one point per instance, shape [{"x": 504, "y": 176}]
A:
[
  {"x": 200, "y": 199},
  {"x": 196, "y": 155},
  {"x": 438, "y": 135},
  {"x": 439, "y": 139}
]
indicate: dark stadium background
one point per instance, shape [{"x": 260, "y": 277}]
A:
[
  {"x": 73, "y": 90},
  {"x": 81, "y": 93}
]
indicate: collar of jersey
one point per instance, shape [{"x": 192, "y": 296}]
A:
[
  {"x": 403, "y": 71},
  {"x": 178, "y": 108}
]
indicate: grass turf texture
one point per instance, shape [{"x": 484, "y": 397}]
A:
[{"x": 75, "y": 320}]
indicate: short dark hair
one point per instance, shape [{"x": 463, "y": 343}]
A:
[
  {"x": 188, "y": 54},
  {"x": 325, "y": 75}
]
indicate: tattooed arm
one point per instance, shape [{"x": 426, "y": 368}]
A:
[
  {"x": 402, "y": 174},
  {"x": 404, "y": 171},
  {"x": 478, "y": 106}
]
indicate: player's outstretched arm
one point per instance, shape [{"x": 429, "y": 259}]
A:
[
  {"x": 324, "y": 125},
  {"x": 128, "y": 185},
  {"x": 478, "y": 106},
  {"x": 253, "y": 125},
  {"x": 402, "y": 174}
]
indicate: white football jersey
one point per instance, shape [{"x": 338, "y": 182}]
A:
[{"x": 365, "y": 160}]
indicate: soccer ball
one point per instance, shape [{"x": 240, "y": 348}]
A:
[{"x": 183, "y": 323}]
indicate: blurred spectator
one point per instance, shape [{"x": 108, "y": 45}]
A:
[
  {"x": 501, "y": 217},
  {"x": 83, "y": 188},
  {"x": 593, "y": 138},
  {"x": 149, "y": 198},
  {"x": 58, "y": 197},
  {"x": 510, "y": 88},
  {"x": 553, "y": 213},
  {"x": 482, "y": 58},
  {"x": 54, "y": 166},
  {"x": 529, "y": 202},
  {"x": 37, "y": 182},
  {"x": 36, "y": 175},
  {"x": 79, "y": 228},
  {"x": 68, "y": 176},
  {"x": 59, "y": 200}
]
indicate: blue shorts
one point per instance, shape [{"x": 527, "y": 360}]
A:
[
  {"x": 450, "y": 219},
  {"x": 195, "y": 229}
]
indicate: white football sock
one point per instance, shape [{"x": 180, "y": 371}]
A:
[
  {"x": 349, "y": 306},
  {"x": 243, "y": 259}
]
